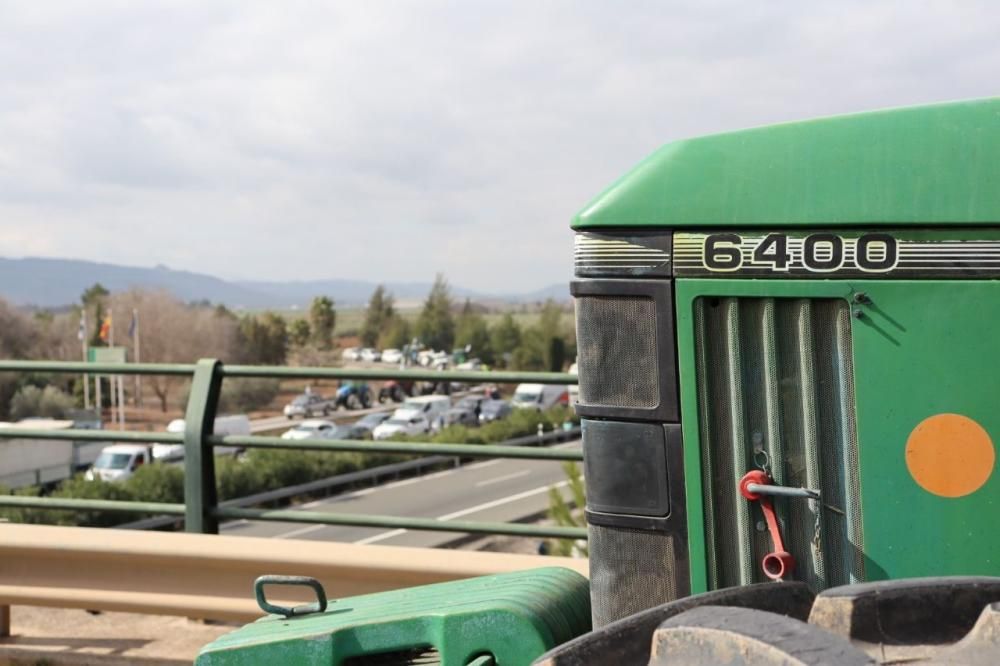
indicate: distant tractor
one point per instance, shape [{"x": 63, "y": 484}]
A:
[{"x": 789, "y": 388}]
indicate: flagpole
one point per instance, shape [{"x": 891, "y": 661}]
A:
[
  {"x": 138, "y": 378},
  {"x": 82, "y": 335},
  {"x": 111, "y": 378},
  {"x": 97, "y": 378}
]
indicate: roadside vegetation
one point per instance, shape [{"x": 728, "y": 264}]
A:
[
  {"x": 258, "y": 470},
  {"x": 569, "y": 513}
]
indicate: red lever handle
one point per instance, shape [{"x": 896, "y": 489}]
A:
[{"x": 778, "y": 563}]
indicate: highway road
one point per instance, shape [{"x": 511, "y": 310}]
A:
[
  {"x": 493, "y": 490},
  {"x": 277, "y": 422}
]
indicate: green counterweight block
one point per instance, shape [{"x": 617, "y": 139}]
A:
[{"x": 507, "y": 619}]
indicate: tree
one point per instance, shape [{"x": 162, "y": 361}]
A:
[
  {"x": 471, "y": 331},
  {"x": 379, "y": 315},
  {"x": 173, "y": 332},
  {"x": 93, "y": 299},
  {"x": 299, "y": 332},
  {"x": 552, "y": 337},
  {"x": 396, "y": 334},
  {"x": 530, "y": 354},
  {"x": 264, "y": 338},
  {"x": 436, "y": 327},
  {"x": 323, "y": 319},
  {"x": 505, "y": 338}
]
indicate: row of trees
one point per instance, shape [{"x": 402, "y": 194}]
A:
[
  {"x": 547, "y": 345},
  {"x": 171, "y": 332},
  {"x": 177, "y": 332}
]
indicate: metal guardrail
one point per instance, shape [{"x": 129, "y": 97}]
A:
[
  {"x": 191, "y": 575},
  {"x": 371, "y": 474},
  {"x": 201, "y": 509}
]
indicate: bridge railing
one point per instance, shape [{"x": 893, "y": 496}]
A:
[{"x": 201, "y": 509}]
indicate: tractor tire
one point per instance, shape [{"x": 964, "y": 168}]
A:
[{"x": 949, "y": 620}]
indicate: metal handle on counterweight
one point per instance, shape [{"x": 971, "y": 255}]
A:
[{"x": 303, "y": 581}]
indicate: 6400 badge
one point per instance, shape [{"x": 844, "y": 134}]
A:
[{"x": 864, "y": 254}]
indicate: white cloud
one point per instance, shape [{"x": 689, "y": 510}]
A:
[{"x": 393, "y": 140}]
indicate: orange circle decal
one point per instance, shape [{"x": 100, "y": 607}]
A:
[{"x": 950, "y": 455}]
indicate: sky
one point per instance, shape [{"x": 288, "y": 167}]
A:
[{"x": 389, "y": 141}]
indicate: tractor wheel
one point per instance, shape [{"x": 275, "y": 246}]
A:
[{"x": 949, "y": 620}]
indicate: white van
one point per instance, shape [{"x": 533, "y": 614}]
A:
[
  {"x": 431, "y": 406},
  {"x": 224, "y": 425},
  {"x": 540, "y": 396},
  {"x": 119, "y": 462}
]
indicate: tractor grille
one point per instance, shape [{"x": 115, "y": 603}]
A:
[
  {"x": 775, "y": 380},
  {"x": 630, "y": 571},
  {"x": 616, "y": 338}
]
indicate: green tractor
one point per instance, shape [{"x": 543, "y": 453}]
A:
[{"x": 789, "y": 407}]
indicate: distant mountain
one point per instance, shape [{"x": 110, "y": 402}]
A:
[{"x": 52, "y": 283}]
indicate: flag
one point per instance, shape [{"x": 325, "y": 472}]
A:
[
  {"x": 133, "y": 324},
  {"x": 105, "y": 332},
  {"x": 81, "y": 333}
]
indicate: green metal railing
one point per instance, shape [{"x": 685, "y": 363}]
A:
[{"x": 201, "y": 510}]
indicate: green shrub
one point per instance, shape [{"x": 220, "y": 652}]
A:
[
  {"x": 247, "y": 393},
  {"x": 33, "y": 401}
]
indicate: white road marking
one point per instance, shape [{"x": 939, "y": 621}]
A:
[
  {"x": 380, "y": 537},
  {"x": 473, "y": 509},
  {"x": 505, "y": 477},
  {"x": 502, "y": 501},
  {"x": 299, "y": 532}
]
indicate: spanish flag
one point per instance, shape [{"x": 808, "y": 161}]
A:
[{"x": 105, "y": 331}]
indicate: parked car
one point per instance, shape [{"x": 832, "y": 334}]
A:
[
  {"x": 238, "y": 424},
  {"x": 362, "y": 428},
  {"x": 308, "y": 405},
  {"x": 369, "y": 354},
  {"x": 353, "y": 395},
  {"x": 351, "y": 354},
  {"x": 465, "y": 412},
  {"x": 315, "y": 429},
  {"x": 494, "y": 410},
  {"x": 392, "y": 356},
  {"x": 431, "y": 406},
  {"x": 119, "y": 462},
  {"x": 403, "y": 421},
  {"x": 540, "y": 396}
]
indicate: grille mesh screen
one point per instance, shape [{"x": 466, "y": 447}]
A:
[
  {"x": 775, "y": 379},
  {"x": 616, "y": 342},
  {"x": 630, "y": 571}
]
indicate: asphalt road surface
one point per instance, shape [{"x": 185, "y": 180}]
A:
[{"x": 494, "y": 490}]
